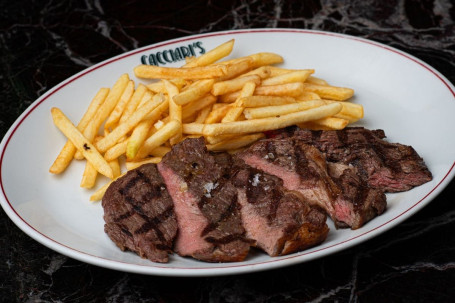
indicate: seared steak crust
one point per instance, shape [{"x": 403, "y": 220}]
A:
[
  {"x": 280, "y": 221},
  {"x": 392, "y": 167},
  {"x": 206, "y": 203},
  {"x": 139, "y": 214},
  {"x": 303, "y": 168}
]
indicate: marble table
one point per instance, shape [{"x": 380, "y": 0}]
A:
[{"x": 44, "y": 42}]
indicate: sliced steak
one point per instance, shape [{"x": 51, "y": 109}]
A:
[
  {"x": 205, "y": 202},
  {"x": 280, "y": 221},
  {"x": 303, "y": 168},
  {"x": 392, "y": 167},
  {"x": 139, "y": 214},
  {"x": 359, "y": 203}
]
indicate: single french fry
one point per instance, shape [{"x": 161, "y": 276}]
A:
[
  {"x": 134, "y": 102},
  {"x": 87, "y": 149},
  {"x": 329, "y": 92},
  {"x": 142, "y": 131},
  {"x": 279, "y": 110},
  {"x": 307, "y": 96},
  {"x": 261, "y": 59},
  {"x": 224, "y": 87},
  {"x": 104, "y": 110},
  {"x": 217, "y": 113},
  {"x": 159, "y": 72},
  {"x": 203, "y": 114},
  {"x": 158, "y": 87},
  {"x": 235, "y": 143},
  {"x": 213, "y": 55},
  {"x": 293, "y": 89},
  {"x": 67, "y": 153},
  {"x": 137, "y": 138},
  {"x": 260, "y": 125},
  {"x": 293, "y": 76},
  {"x": 316, "y": 80},
  {"x": 116, "y": 151},
  {"x": 196, "y": 91},
  {"x": 115, "y": 166},
  {"x": 89, "y": 176},
  {"x": 175, "y": 110},
  {"x": 350, "y": 111},
  {"x": 160, "y": 151},
  {"x": 160, "y": 123},
  {"x": 237, "y": 67},
  {"x": 236, "y": 111},
  {"x": 158, "y": 111},
  {"x": 192, "y": 108},
  {"x": 135, "y": 164},
  {"x": 158, "y": 138},
  {"x": 115, "y": 115},
  {"x": 121, "y": 130},
  {"x": 260, "y": 101},
  {"x": 263, "y": 72},
  {"x": 328, "y": 123},
  {"x": 220, "y": 138}
]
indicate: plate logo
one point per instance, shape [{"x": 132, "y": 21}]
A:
[{"x": 173, "y": 55}]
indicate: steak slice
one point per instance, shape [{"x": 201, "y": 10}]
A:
[
  {"x": 139, "y": 214},
  {"x": 304, "y": 169},
  {"x": 205, "y": 202},
  {"x": 360, "y": 203},
  {"x": 280, "y": 221},
  {"x": 392, "y": 167}
]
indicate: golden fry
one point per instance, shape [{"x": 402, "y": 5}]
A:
[
  {"x": 260, "y": 101},
  {"x": 196, "y": 91},
  {"x": 158, "y": 138},
  {"x": 158, "y": 72},
  {"x": 279, "y": 110},
  {"x": 87, "y": 149},
  {"x": 67, "y": 153},
  {"x": 115, "y": 115},
  {"x": 224, "y": 87},
  {"x": 293, "y": 76},
  {"x": 329, "y": 92},
  {"x": 260, "y": 125},
  {"x": 195, "y": 106},
  {"x": 235, "y": 143},
  {"x": 104, "y": 110},
  {"x": 213, "y": 55},
  {"x": 121, "y": 130}
]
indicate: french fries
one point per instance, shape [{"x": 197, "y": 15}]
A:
[{"x": 231, "y": 103}]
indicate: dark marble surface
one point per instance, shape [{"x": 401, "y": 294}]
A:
[{"x": 44, "y": 42}]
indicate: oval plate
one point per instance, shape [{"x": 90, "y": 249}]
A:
[{"x": 410, "y": 100}]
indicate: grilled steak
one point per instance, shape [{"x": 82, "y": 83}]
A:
[
  {"x": 359, "y": 203},
  {"x": 348, "y": 201},
  {"x": 392, "y": 167},
  {"x": 139, "y": 214},
  {"x": 280, "y": 221},
  {"x": 205, "y": 202}
]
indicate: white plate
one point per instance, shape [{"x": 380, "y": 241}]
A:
[{"x": 410, "y": 100}]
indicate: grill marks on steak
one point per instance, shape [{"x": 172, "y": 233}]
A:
[
  {"x": 205, "y": 202},
  {"x": 346, "y": 199},
  {"x": 359, "y": 202},
  {"x": 139, "y": 215},
  {"x": 280, "y": 221},
  {"x": 392, "y": 167}
]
